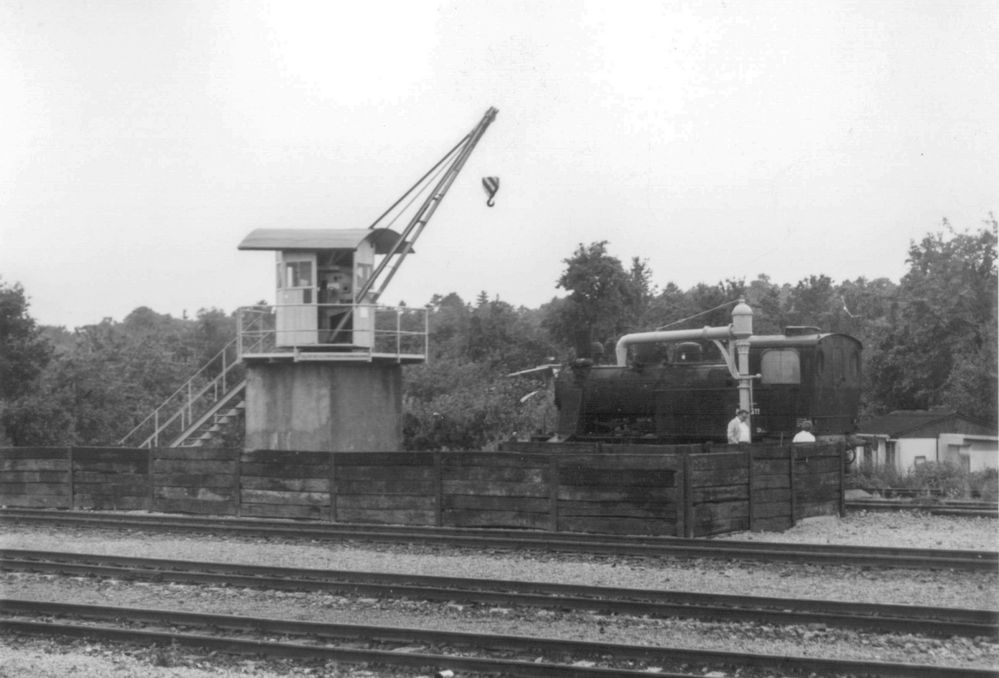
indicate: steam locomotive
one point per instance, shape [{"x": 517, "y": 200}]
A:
[{"x": 680, "y": 388}]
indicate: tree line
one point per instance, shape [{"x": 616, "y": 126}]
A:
[{"x": 930, "y": 340}]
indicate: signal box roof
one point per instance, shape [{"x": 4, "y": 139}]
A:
[{"x": 383, "y": 239}]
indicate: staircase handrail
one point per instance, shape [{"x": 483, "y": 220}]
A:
[
  {"x": 216, "y": 406},
  {"x": 153, "y": 438},
  {"x": 186, "y": 386}
]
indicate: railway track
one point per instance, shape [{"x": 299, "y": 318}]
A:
[
  {"x": 421, "y": 648},
  {"x": 670, "y": 547},
  {"x": 902, "y": 619},
  {"x": 968, "y": 509}
]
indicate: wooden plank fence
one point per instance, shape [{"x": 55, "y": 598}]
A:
[{"x": 617, "y": 489}]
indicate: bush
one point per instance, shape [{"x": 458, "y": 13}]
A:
[
  {"x": 984, "y": 485},
  {"x": 929, "y": 479},
  {"x": 946, "y": 479},
  {"x": 874, "y": 478}
]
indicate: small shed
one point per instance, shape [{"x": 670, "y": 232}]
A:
[
  {"x": 906, "y": 438},
  {"x": 321, "y": 296}
]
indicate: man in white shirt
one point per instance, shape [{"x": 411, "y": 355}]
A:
[
  {"x": 738, "y": 428},
  {"x": 805, "y": 434}
]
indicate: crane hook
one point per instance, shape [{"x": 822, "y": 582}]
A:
[{"x": 491, "y": 185}]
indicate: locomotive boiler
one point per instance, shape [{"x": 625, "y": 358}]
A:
[{"x": 684, "y": 386}]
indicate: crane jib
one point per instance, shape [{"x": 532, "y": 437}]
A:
[{"x": 414, "y": 228}]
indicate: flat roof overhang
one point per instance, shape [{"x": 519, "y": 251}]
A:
[{"x": 284, "y": 239}]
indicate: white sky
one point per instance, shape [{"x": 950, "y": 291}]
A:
[{"x": 140, "y": 141}]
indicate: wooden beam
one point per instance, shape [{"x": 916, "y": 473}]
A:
[
  {"x": 553, "y": 486},
  {"x": 792, "y": 463}
]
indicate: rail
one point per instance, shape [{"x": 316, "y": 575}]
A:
[
  {"x": 419, "y": 648},
  {"x": 912, "y": 619},
  {"x": 503, "y": 539}
]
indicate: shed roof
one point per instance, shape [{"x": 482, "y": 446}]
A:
[
  {"x": 383, "y": 239},
  {"x": 913, "y": 423}
]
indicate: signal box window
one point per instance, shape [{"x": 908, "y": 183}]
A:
[
  {"x": 299, "y": 274},
  {"x": 780, "y": 366}
]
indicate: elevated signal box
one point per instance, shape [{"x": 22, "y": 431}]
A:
[{"x": 321, "y": 310}]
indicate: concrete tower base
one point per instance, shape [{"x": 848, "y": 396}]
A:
[{"x": 326, "y": 407}]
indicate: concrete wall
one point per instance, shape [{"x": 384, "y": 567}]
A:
[
  {"x": 910, "y": 448},
  {"x": 324, "y": 406},
  {"x": 982, "y": 452}
]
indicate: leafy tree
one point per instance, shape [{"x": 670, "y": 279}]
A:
[
  {"x": 24, "y": 355},
  {"x": 604, "y": 299},
  {"x": 941, "y": 346},
  {"x": 768, "y": 301},
  {"x": 701, "y": 305},
  {"x": 815, "y": 301},
  {"x": 107, "y": 377},
  {"x": 505, "y": 338},
  {"x": 24, "y": 352},
  {"x": 461, "y": 398},
  {"x": 459, "y": 405}
]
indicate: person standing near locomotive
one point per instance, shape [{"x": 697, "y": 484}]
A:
[
  {"x": 805, "y": 434},
  {"x": 738, "y": 428}
]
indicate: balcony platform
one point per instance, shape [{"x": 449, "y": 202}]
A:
[
  {"x": 374, "y": 334},
  {"x": 300, "y": 356}
]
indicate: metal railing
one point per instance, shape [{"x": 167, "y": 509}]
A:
[
  {"x": 190, "y": 403},
  {"x": 361, "y": 332}
]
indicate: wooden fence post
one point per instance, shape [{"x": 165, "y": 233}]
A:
[
  {"x": 553, "y": 490},
  {"x": 439, "y": 488},
  {"x": 791, "y": 461},
  {"x": 70, "y": 480},
  {"x": 150, "y": 477},
  {"x": 681, "y": 501},
  {"x": 688, "y": 498},
  {"x": 841, "y": 455},
  {"x": 332, "y": 487},
  {"x": 237, "y": 482}
]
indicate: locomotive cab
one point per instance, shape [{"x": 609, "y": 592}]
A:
[{"x": 805, "y": 376}]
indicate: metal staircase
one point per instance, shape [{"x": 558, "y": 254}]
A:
[{"x": 198, "y": 412}]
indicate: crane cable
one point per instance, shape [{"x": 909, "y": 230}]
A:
[
  {"x": 419, "y": 193},
  {"x": 419, "y": 181},
  {"x": 696, "y": 315}
]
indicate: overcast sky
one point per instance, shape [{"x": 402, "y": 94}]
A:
[{"x": 141, "y": 140}]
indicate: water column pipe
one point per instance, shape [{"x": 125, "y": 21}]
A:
[
  {"x": 740, "y": 331},
  {"x": 621, "y": 349}
]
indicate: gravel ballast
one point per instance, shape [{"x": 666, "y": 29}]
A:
[{"x": 953, "y": 589}]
